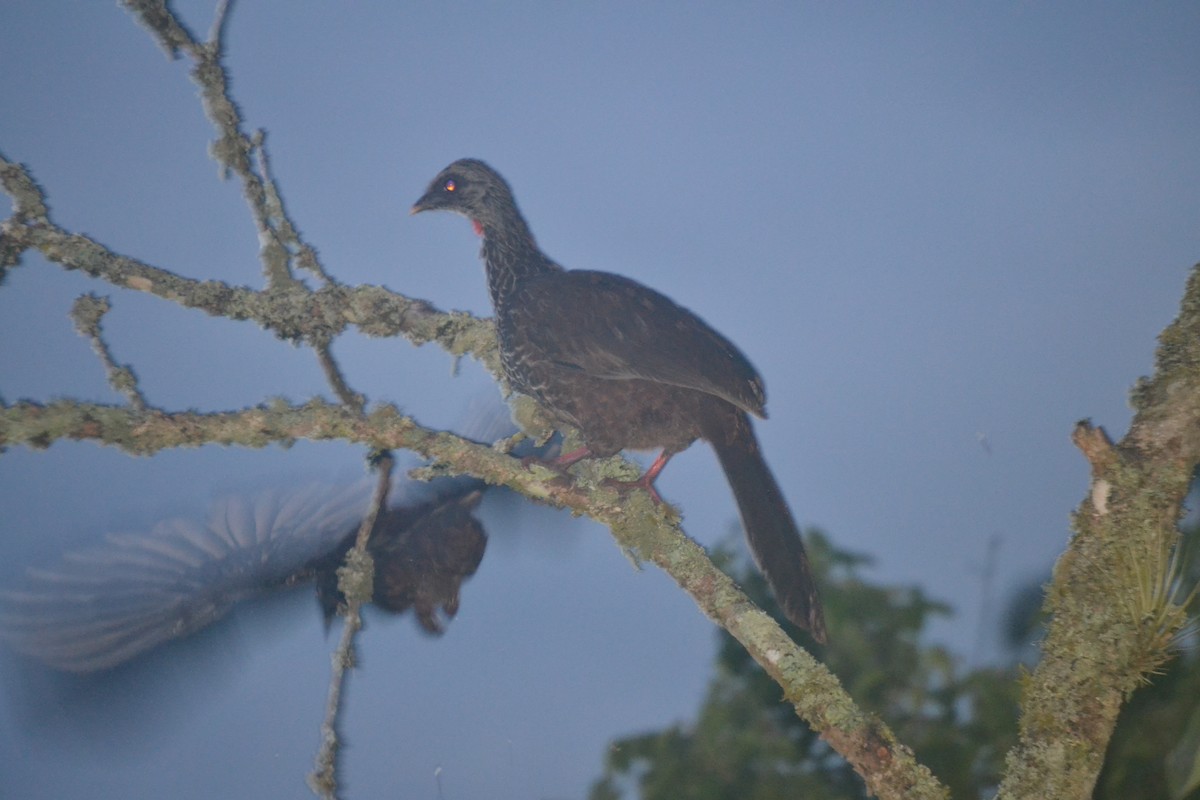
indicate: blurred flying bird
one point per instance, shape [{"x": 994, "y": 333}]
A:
[{"x": 104, "y": 605}]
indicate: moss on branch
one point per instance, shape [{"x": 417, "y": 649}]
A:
[{"x": 1112, "y": 598}]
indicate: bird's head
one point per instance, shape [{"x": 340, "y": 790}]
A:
[{"x": 471, "y": 188}]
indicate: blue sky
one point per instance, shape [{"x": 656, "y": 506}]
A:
[{"x": 924, "y": 224}]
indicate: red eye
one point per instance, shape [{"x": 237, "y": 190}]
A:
[{"x": 451, "y": 185}]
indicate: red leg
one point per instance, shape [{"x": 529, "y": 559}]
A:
[
  {"x": 649, "y": 476},
  {"x": 652, "y": 474}
]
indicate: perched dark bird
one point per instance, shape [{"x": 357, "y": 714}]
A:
[
  {"x": 629, "y": 369},
  {"x": 105, "y": 605}
]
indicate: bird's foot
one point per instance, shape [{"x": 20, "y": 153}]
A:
[
  {"x": 648, "y": 478},
  {"x": 645, "y": 482},
  {"x": 563, "y": 462}
]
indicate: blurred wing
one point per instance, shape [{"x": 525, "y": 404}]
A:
[
  {"x": 641, "y": 334},
  {"x": 107, "y": 604}
]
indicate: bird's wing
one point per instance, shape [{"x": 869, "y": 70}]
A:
[
  {"x": 612, "y": 327},
  {"x": 104, "y": 605}
]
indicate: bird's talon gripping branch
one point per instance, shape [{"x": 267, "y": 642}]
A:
[
  {"x": 646, "y": 481},
  {"x": 640, "y": 483}
]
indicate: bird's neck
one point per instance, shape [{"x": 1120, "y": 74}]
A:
[{"x": 511, "y": 256}]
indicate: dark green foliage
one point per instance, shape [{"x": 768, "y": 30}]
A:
[{"x": 748, "y": 744}]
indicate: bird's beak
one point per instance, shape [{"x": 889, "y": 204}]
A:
[{"x": 424, "y": 204}]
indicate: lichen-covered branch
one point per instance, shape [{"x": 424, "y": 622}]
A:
[
  {"x": 1113, "y": 598},
  {"x": 355, "y": 582},
  {"x": 87, "y": 313},
  {"x": 236, "y": 151},
  {"x": 294, "y": 313}
]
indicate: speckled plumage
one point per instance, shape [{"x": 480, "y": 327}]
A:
[{"x": 629, "y": 368}]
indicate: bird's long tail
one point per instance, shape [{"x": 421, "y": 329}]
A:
[{"x": 770, "y": 528}]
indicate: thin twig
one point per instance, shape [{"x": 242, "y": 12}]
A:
[
  {"x": 87, "y": 313},
  {"x": 355, "y": 582},
  {"x": 234, "y": 148},
  {"x": 216, "y": 34},
  {"x": 333, "y": 373},
  {"x": 303, "y": 254}
]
